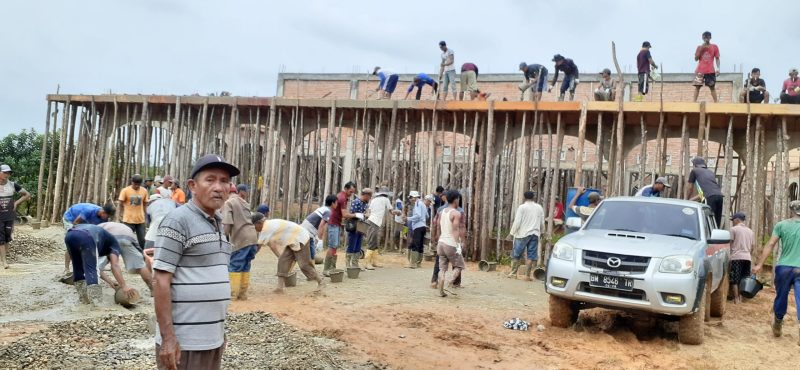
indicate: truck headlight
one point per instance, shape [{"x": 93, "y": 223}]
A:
[
  {"x": 563, "y": 251},
  {"x": 677, "y": 265}
]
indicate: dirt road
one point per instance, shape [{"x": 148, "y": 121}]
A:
[{"x": 392, "y": 318}]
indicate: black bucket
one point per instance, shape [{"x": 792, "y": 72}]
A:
[{"x": 750, "y": 286}]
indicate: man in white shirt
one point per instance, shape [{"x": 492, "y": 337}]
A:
[
  {"x": 448, "y": 70},
  {"x": 377, "y": 214},
  {"x": 525, "y": 230}
]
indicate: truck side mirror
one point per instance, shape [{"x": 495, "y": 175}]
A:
[
  {"x": 574, "y": 222},
  {"x": 719, "y": 237}
]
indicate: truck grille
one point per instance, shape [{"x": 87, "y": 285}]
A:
[
  {"x": 636, "y": 294},
  {"x": 631, "y": 264}
]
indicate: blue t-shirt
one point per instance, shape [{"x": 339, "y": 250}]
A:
[
  {"x": 105, "y": 242},
  {"x": 648, "y": 191},
  {"x": 86, "y": 211},
  {"x": 423, "y": 80},
  {"x": 358, "y": 206}
]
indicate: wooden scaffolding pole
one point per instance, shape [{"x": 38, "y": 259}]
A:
[
  {"x": 726, "y": 177},
  {"x": 579, "y": 153}
]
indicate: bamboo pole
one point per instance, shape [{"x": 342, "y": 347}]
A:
[
  {"x": 579, "y": 154},
  {"x": 642, "y": 152},
  {"x": 487, "y": 182},
  {"x": 784, "y": 205},
  {"x": 701, "y": 128},
  {"x": 48, "y": 200},
  {"x": 42, "y": 162},
  {"x": 554, "y": 188},
  {"x": 684, "y": 155},
  {"x": 617, "y": 189},
  {"x": 502, "y": 191},
  {"x": 62, "y": 147},
  {"x": 598, "y": 163},
  {"x": 726, "y": 177}
]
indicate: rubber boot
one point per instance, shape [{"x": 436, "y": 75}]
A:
[
  {"x": 329, "y": 264},
  {"x": 236, "y": 284},
  {"x": 408, "y": 257},
  {"x": 348, "y": 260},
  {"x": 528, "y": 270},
  {"x": 514, "y": 269},
  {"x": 83, "y": 295},
  {"x": 354, "y": 261},
  {"x": 419, "y": 260},
  {"x": 245, "y": 284},
  {"x": 368, "y": 259},
  {"x": 95, "y": 293},
  {"x": 777, "y": 327}
]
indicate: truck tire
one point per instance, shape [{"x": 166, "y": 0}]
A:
[
  {"x": 691, "y": 328},
  {"x": 562, "y": 312},
  {"x": 720, "y": 297}
]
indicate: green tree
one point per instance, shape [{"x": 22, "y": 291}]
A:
[{"x": 22, "y": 151}]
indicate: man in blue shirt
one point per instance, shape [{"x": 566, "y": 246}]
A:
[
  {"x": 419, "y": 82},
  {"x": 84, "y": 213},
  {"x": 654, "y": 190},
  {"x": 387, "y": 83},
  {"x": 85, "y": 242},
  {"x": 571, "y": 76},
  {"x": 418, "y": 226}
]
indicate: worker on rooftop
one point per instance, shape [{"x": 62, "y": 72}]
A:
[
  {"x": 571, "y": 76},
  {"x": 469, "y": 81},
  {"x": 705, "y": 74},
  {"x": 419, "y": 82},
  {"x": 755, "y": 89},
  {"x": 388, "y": 82},
  {"x": 790, "y": 92},
  {"x": 606, "y": 89},
  {"x": 448, "y": 69},
  {"x": 644, "y": 61},
  {"x": 535, "y": 78}
]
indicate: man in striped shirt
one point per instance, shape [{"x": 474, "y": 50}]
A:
[{"x": 191, "y": 286}]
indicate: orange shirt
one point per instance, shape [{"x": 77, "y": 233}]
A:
[
  {"x": 133, "y": 202},
  {"x": 179, "y": 196}
]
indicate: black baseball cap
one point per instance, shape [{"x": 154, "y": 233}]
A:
[
  {"x": 646, "y": 44},
  {"x": 213, "y": 161},
  {"x": 739, "y": 215}
]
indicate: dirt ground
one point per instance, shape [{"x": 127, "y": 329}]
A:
[{"x": 391, "y": 318}]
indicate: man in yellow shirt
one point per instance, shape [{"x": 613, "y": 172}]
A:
[{"x": 132, "y": 203}]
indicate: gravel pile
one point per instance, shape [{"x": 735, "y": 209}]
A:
[
  {"x": 30, "y": 248},
  {"x": 256, "y": 340}
]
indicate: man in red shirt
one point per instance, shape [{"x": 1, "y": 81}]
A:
[
  {"x": 790, "y": 92},
  {"x": 558, "y": 215},
  {"x": 340, "y": 212},
  {"x": 705, "y": 54}
]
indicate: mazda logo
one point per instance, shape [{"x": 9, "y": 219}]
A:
[{"x": 614, "y": 262}]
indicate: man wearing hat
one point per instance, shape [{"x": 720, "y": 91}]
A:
[
  {"x": 148, "y": 185},
  {"x": 418, "y": 225},
  {"x": 787, "y": 268},
  {"x": 654, "y": 190},
  {"x": 790, "y": 92},
  {"x": 132, "y": 204},
  {"x": 166, "y": 186},
  {"x": 644, "y": 61},
  {"x": 705, "y": 186},
  {"x": 447, "y": 70},
  {"x": 8, "y": 209},
  {"x": 177, "y": 193},
  {"x": 535, "y": 79},
  {"x": 743, "y": 240},
  {"x": 157, "y": 182},
  {"x": 237, "y": 219},
  {"x": 571, "y": 76},
  {"x": 191, "y": 286},
  {"x": 377, "y": 214},
  {"x": 606, "y": 89}
]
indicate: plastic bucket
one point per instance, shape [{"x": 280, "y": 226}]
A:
[
  {"x": 337, "y": 276},
  {"x": 487, "y": 266},
  {"x": 750, "y": 286},
  {"x": 291, "y": 280},
  {"x": 539, "y": 274},
  {"x": 582, "y": 201},
  {"x": 352, "y": 272}
]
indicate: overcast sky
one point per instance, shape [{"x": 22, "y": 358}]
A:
[{"x": 198, "y": 46}]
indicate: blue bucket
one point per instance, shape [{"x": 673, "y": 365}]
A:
[{"x": 582, "y": 201}]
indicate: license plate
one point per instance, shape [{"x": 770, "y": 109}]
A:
[{"x": 611, "y": 282}]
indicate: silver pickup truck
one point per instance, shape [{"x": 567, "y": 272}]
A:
[{"x": 661, "y": 257}]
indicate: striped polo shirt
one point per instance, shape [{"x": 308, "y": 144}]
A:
[{"x": 192, "y": 246}]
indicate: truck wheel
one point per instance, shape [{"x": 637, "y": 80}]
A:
[
  {"x": 691, "y": 327},
  {"x": 562, "y": 312},
  {"x": 720, "y": 297}
]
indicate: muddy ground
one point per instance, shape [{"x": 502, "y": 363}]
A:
[{"x": 388, "y": 318}]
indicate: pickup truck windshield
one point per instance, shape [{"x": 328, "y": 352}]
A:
[{"x": 645, "y": 217}]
